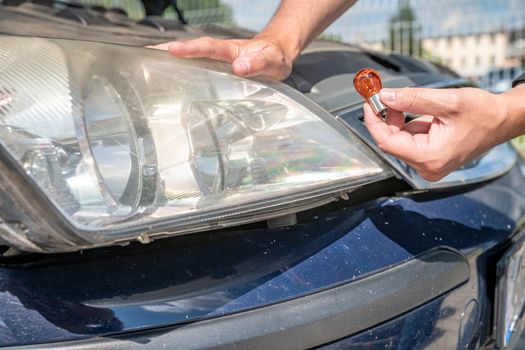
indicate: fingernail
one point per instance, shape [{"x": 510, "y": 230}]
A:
[
  {"x": 387, "y": 95},
  {"x": 242, "y": 66}
]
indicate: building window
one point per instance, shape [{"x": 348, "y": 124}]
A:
[
  {"x": 478, "y": 40},
  {"x": 478, "y": 60},
  {"x": 492, "y": 60}
]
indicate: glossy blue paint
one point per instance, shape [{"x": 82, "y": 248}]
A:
[{"x": 194, "y": 277}]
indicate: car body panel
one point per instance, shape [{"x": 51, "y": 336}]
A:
[
  {"x": 137, "y": 295},
  {"x": 175, "y": 282}
]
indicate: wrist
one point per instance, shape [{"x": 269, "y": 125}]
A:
[{"x": 513, "y": 103}]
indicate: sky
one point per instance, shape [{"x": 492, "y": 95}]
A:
[{"x": 368, "y": 19}]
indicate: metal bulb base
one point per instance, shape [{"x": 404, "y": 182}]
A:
[{"x": 377, "y": 106}]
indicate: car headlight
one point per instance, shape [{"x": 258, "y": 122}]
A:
[{"x": 104, "y": 144}]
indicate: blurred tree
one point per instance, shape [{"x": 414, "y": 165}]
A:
[
  {"x": 331, "y": 37},
  {"x": 404, "y": 31},
  {"x": 201, "y": 12},
  {"x": 519, "y": 143},
  {"x": 190, "y": 5}
]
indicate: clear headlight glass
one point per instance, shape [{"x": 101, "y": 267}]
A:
[{"x": 127, "y": 141}]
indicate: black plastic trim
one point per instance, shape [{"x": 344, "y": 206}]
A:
[{"x": 308, "y": 321}]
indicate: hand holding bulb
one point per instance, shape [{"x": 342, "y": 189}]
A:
[{"x": 456, "y": 126}]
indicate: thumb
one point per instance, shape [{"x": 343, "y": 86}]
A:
[{"x": 436, "y": 102}]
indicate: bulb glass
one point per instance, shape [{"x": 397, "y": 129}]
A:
[{"x": 367, "y": 82}]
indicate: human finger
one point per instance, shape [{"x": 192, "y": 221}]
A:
[
  {"x": 395, "y": 119},
  {"x": 401, "y": 144},
  {"x": 379, "y": 130},
  {"x": 265, "y": 61},
  {"x": 419, "y": 125},
  {"x": 163, "y": 46},
  {"x": 437, "y": 102},
  {"x": 205, "y": 47}
]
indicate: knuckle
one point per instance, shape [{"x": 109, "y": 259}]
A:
[
  {"x": 206, "y": 39},
  {"x": 235, "y": 50},
  {"x": 204, "y": 44}
]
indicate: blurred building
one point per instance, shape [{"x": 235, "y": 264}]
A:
[
  {"x": 516, "y": 47},
  {"x": 474, "y": 37},
  {"x": 470, "y": 55}
]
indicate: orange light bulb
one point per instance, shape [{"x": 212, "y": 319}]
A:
[{"x": 368, "y": 83}]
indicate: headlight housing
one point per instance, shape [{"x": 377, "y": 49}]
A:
[{"x": 103, "y": 144}]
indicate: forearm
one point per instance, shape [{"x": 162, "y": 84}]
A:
[
  {"x": 514, "y": 104},
  {"x": 297, "y": 22}
]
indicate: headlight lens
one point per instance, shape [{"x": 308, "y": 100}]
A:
[{"x": 127, "y": 141}]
